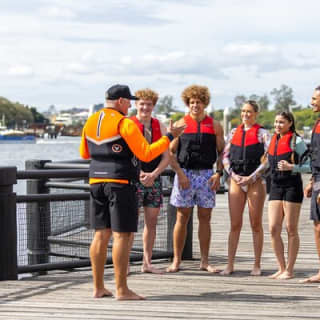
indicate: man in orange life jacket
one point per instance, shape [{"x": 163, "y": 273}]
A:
[
  {"x": 313, "y": 188},
  {"x": 149, "y": 186},
  {"x": 114, "y": 142}
]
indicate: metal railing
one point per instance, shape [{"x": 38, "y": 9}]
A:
[{"x": 48, "y": 227}]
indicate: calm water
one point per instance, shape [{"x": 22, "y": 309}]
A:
[{"x": 62, "y": 148}]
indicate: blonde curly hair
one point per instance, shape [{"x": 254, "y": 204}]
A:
[
  {"x": 196, "y": 92},
  {"x": 147, "y": 94}
]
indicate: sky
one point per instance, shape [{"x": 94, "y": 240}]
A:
[{"x": 68, "y": 52}]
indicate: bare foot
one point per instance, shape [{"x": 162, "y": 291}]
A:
[
  {"x": 256, "y": 271},
  {"x": 102, "y": 293},
  {"x": 173, "y": 268},
  {"x": 151, "y": 269},
  {"x": 129, "y": 295},
  {"x": 276, "y": 274},
  {"x": 209, "y": 268},
  {"x": 285, "y": 276},
  {"x": 227, "y": 271},
  {"x": 312, "y": 279}
]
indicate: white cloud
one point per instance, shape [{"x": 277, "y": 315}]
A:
[
  {"x": 20, "y": 71},
  {"x": 71, "y": 50}
]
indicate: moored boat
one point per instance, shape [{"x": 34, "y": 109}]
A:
[{"x": 15, "y": 136}]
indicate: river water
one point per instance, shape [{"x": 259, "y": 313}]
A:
[{"x": 62, "y": 148}]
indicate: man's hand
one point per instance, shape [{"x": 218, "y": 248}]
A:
[
  {"x": 183, "y": 180},
  {"x": 308, "y": 190},
  {"x": 176, "y": 130},
  {"x": 214, "y": 182},
  {"x": 147, "y": 178}
]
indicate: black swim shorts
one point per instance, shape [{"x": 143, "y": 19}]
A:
[
  {"x": 115, "y": 206},
  {"x": 285, "y": 192}
]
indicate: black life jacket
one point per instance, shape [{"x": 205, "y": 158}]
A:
[
  {"x": 111, "y": 157},
  {"x": 315, "y": 149},
  {"x": 280, "y": 149},
  {"x": 197, "y": 145},
  {"x": 156, "y": 135},
  {"x": 246, "y": 150}
]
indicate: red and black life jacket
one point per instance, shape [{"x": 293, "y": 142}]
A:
[
  {"x": 197, "y": 145},
  {"x": 315, "y": 149},
  {"x": 280, "y": 149},
  {"x": 246, "y": 150},
  {"x": 155, "y": 135}
]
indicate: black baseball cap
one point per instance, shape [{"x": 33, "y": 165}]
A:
[{"x": 119, "y": 91}]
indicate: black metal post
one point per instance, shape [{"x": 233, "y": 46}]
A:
[
  {"x": 8, "y": 224},
  {"x": 38, "y": 218}
]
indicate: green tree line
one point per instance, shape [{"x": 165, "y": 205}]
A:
[{"x": 16, "y": 114}]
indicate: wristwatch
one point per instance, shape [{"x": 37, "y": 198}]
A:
[{"x": 220, "y": 172}]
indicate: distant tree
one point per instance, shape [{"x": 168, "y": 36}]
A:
[
  {"x": 263, "y": 101},
  {"x": 283, "y": 98},
  {"x": 164, "y": 105},
  {"x": 38, "y": 117},
  {"x": 217, "y": 115},
  {"x": 239, "y": 101},
  {"x": 176, "y": 116},
  {"x": 304, "y": 118},
  {"x": 266, "y": 119}
]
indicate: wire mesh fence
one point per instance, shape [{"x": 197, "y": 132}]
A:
[{"x": 53, "y": 231}]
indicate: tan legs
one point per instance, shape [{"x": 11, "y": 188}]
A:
[
  {"x": 149, "y": 236},
  {"x": 237, "y": 200},
  {"x": 179, "y": 237},
  {"x": 316, "y": 277},
  {"x": 120, "y": 257},
  {"x": 277, "y": 211},
  {"x": 98, "y": 254},
  {"x": 204, "y": 235}
]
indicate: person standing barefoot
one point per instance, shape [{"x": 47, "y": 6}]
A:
[
  {"x": 241, "y": 159},
  {"x": 286, "y": 191},
  {"x": 193, "y": 156}
]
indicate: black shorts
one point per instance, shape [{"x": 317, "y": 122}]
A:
[
  {"x": 285, "y": 192},
  {"x": 315, "y": 208},
  {"x": 115, "y": 206}
]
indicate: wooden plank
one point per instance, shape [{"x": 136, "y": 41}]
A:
[{"x": 189, "y": 294}]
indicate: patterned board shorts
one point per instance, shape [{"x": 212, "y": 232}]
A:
[
  {"x": 150, "y": 196},
  {"x": 198, "y": 194}
]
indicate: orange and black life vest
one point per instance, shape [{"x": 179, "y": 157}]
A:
[
  {"x": 111, "y": 157},
  {"x": 280, "y": 149},
  {"x": 246, "y": 150},
  {"x": 155, "y": 135},
  {"x": 197, "y": 145},
  {"x": 315, "y": 149}
]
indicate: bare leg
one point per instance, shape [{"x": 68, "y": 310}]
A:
[
  {"x": 315, "y": 278},
  {"x": 131, "y": 240},
  {"x": 179, "y": 237},
  {"x": 256, "y": 197},
  {"x": 292, "y": 213},
  {"x": 98, "y": 254},
  {"x": 149, "y": 236},
  {"x": 204, "y": 234},
  {"x": 120, "y": 257},
  {"x": 237, "y": 199},
  {"x": 276, "y": 216}
]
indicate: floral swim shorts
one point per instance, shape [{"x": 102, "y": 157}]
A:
[
  {"x": 199, "y": 192},
  {"x": 150, "y": 196}
]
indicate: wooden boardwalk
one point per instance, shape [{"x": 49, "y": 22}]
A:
[{"x": 189, "y": 294}]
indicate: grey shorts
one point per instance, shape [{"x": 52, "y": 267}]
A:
[{"x": 315, "y": 208}]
